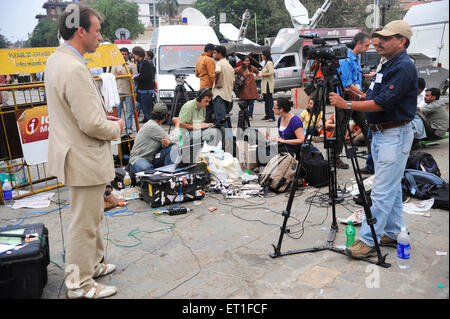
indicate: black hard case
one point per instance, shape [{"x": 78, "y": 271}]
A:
[
  {"x": 165, "y": 189},
  {"x": 23, "y": 272}
]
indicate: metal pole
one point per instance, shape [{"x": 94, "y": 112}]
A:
[{"x": 256, "y": 31}]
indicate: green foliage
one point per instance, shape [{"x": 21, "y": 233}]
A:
[
  {"x": 45, "y": 34},
  {"x": 4, "y": 42},
  {"x": 271, "y": 16},
  {"x": 118, "y": 14},
  {"x": 168, "y": 8}
]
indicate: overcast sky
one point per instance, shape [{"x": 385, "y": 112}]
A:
[{"x": 17, "y": 18}]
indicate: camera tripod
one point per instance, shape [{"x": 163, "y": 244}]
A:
[
  {"x": 330, "y": 82},
  {"x": 179, "y": 98},
  {"x": 243, "y": 118}
]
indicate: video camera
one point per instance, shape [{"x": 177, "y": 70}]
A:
[
  {"x": 322, "y": 51},
  {"x": 180, "y": 79}
]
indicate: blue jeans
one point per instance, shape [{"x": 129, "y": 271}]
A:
[
  {"x": 220, "y": 109},
  {"x": 369, "y": 159},
  {"x": 146, "y": 100},
  {"x": 162, "y": 158},
  {"x": 390, "y": 151},
  {"x": 128, "y": 101}
]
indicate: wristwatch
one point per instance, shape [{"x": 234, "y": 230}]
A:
[{"x": 349, "y": 105}]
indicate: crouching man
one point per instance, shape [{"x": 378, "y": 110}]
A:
[{"x": 153, "y": 147}]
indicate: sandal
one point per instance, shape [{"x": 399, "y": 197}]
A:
[
  {"x": 95, "y": 291},
  {"x": 103, "y": 270}
]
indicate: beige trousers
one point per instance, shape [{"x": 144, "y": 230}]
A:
[{"x": 85, "y": 243}]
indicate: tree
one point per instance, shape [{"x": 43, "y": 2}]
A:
[
  {"x": 272, "y": 15},
  {"x": 4, "y": 42},
  {"x": 118, "y": 14},
  {"x": 45, "y": 34},
  {"x": 168, "y": 8}
]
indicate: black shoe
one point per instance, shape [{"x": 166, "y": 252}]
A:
[
  {"x": 264, "y": 118},
  {"x": 341, "y": 164},
  {"x": 366, "y": 171}
]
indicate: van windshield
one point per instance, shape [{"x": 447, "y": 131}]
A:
[{"x": 179, "y": 57}]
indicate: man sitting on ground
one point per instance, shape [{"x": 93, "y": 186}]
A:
[
  {"x": 192, "y": 118},
  {"x": 435, "y": 113},
  {"x": 152, "y": 147}
]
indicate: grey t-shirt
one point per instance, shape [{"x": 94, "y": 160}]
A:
[
  {"x": 147, "y": 142},
  {"x": 437, "y": 115}
]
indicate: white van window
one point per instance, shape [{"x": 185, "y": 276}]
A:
[
  {"x": 286, "y": 62},
  {"x": 176, "y": 57}
]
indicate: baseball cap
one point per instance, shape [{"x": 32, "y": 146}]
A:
[
  {"x": 159, "y": 109},
  {"x": 396, "y": 27}
]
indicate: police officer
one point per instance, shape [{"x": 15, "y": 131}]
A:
[{"x": 389, "y": 107}]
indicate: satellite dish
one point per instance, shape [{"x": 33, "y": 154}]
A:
[
  {"x": 122, "y": 34},
  {"x": 229, "y": 31},
  {"x": 192, "y": 16},
  {"x": 298, "y": 13}
]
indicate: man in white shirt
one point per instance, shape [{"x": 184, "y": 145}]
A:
[{"x": 223, "y": 85}]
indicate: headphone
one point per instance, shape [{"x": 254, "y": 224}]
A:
[{"x": 202, "y": 93}]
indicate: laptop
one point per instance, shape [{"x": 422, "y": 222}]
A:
[{"x": 187, "y": 155}]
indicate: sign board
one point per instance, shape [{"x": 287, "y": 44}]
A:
[
  {"x": 33, "y": 124},
  {"x": 32, "y": 60}
]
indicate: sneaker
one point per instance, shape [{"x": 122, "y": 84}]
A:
[
  {"x": 103, "y": 270},
  {"x": 341, "y": 164},
  {"x": 360, "y": 250},
  {"x": 95, "y": 291},
  {"x": 388, "y": 241},
  {"x": 357, "y": 218}
]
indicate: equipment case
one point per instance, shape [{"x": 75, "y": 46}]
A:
[
  {"x": 23, "y": 271},
  {"x": 187, "y": 184}
]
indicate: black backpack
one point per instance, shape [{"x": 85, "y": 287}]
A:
[
  {"x": 315, "y": 167},
  {"x": 424, "y": 185},
  {"x": 423, "y": 162},
  {"x": 440, "y": 195}
]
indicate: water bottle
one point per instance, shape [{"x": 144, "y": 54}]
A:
[
  {"x": 350, "y": 233},
  {"x": 7, "y": 190},
  {"x": 403, "y": 249},
  {"x": 127, "y": 180},
  {"x": 127, "y": 193}
]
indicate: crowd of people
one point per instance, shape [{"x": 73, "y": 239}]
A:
[{"x": 79, "y": 141}]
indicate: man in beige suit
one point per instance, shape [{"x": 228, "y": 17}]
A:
[{"x": 79, "y": 152}]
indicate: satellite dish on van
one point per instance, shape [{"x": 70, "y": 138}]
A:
[
  {"x": 298, "y": 13},
  {"x": 192, "y": 16},
  {"x": 229, "y": 31}
]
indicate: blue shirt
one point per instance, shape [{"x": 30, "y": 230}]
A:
[
  {"x": 350, "y": 70},
  {"x": 289, "y": 132},
  {"x": 395, "y": 90},
  {"x": 75, "y": 50}
]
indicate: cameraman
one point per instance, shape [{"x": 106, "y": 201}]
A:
[
  {"x": 351, "y": 76},
  {"x": 390, "y": 106}
]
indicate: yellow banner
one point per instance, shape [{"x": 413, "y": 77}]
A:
[{"x": 32, "y": 60}]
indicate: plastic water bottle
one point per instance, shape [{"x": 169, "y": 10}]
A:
[
  {"x": 350, "y": 233},
  {"x": 403, "y": 249},
  {"x": 128, "y": 192},
  {"x": 7, "y": 190}
]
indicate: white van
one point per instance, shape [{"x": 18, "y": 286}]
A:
[{"x": 176, "y": 49}]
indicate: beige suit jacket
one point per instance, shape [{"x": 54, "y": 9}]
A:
[{"x": 79, "y": 151}]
